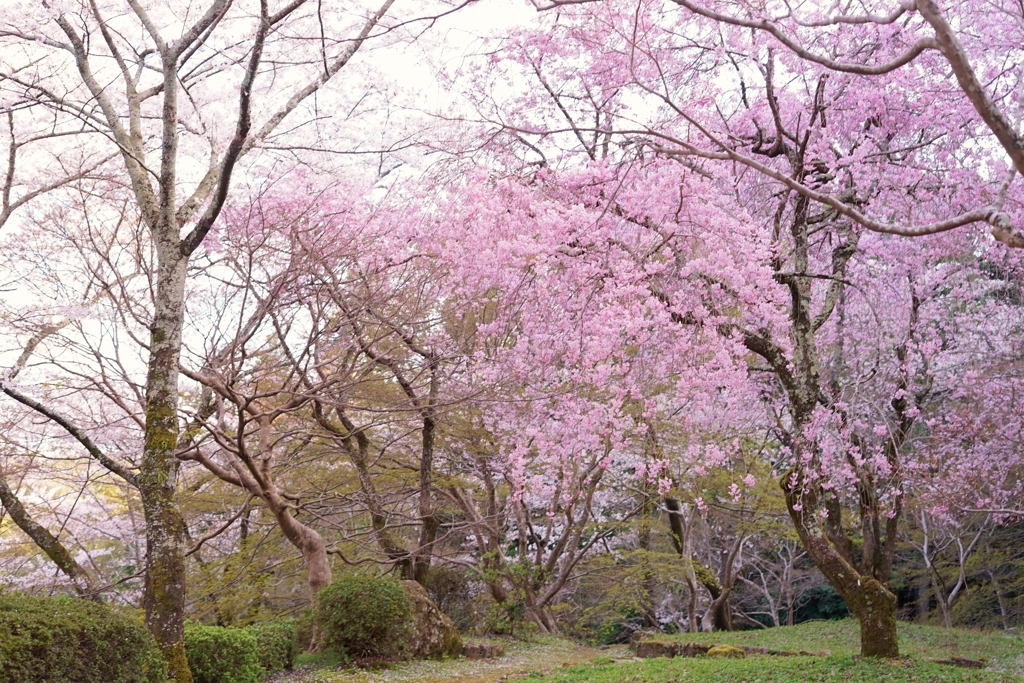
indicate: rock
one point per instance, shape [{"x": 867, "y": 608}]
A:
[
  {"x": 639, "y": 635},
  {"x": 646, "y": 649},
  {"x": 725, "y": 651},
  {"x": 483, "y": 650},
  {"x": 434, "y": 634},
  {"x": 692, "y": 649}
]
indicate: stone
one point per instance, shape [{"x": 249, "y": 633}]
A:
[
  {"x": 646, "y": 649},
  {"x": 483, "y": 650},
  {"x": 639, "y": 635},
  {"x": 434, "y": 634},
  {"x": 725, "y": 651},
  {"x": 692, "y": 649}
]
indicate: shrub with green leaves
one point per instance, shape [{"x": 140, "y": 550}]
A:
[
  {"x": 366, "y": 617},
  {"x": 277, "y": 643},
  {"x": 222, "y": 654},
  {"x": 70, "y": 640}
]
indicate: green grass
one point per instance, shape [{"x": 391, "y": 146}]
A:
[
  {"x": 844, "y": 668},
  {"x": 554, "y": 660},
  {"x": 1003, "y": 651},
  {"x": 325, "y": 659}
]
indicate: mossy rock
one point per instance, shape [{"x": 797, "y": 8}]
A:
[
  {"x": 434, "y": 634},
  {"x": 726, "y": 651}
]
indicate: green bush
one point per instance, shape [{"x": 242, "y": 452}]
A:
[
  {"x": 366, "y": 617},
  {"x": 222, "y": 654},
  {"x": 70, "y": 640},
  {"x": 277, "y": 643},
  {"x": 305, "y": 623}
]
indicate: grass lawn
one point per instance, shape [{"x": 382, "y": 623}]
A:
[
  {"x": 554, "y": 660},
  {"x": 1002, "y": 651},
  {"x": 773, "y": 670}
]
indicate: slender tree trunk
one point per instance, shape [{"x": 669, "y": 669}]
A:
[
  {"x": 947, "y": 618},
  {"x": 681, "y": 539},
  {"x": 718, "y": 616},
  {"x": 357, "y": 445},
  {"x": 165, "y": 529},
  {"x": 1000, "y": 598},
  {"x": 428, "y": 531},
  {"x": 545, "y": 621},
  {"x": 644, "y": 543},
  {"x": 691, "y": 604},
  {"x": 81, "y": 581},
  {"x": 311, "y": 544}
]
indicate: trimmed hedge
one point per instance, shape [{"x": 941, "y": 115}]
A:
[
  {"x": 222, "y": 654},
  {"x": 366, "y": 617},
  {"x": 277, "y": 643},
  {"x": 70, "y": 640}
]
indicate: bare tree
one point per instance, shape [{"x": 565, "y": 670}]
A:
[{"x": 148, "y": 86}]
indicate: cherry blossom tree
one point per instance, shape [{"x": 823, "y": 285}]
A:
[
  {"x": 882, "y": 47},
  {"x": 812, "y": 151}
]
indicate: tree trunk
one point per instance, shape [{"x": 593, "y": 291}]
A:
[
  {"x": 1000, "y": 600},
  {"x": 718, "y": 616},
  {"x": 875, "y": 609},
  {"x": 644, "y": 544},
  {"x": 50, "y": 544},
  {"x": 871, "y": 602},
  {"x": 165, "y": 529},
  {"x": 691, "y": 605},
  {"x": 542, "y": 616},
  {"x": 947, "y": 618},
  {"x": 357, "y": 445},
  {"x": 681, "y": 539},
  {"x": 430, "y": 523},
  {"x": 311, "y": 544}
]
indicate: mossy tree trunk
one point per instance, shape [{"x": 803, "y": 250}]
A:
[
  {"x": 873, "y": 605},
  {"x": 695, "y": 573},
  {"x": 165, "y": 528}
]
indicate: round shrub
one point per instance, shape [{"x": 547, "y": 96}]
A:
[
  {"x": 70, "y": 640},
  {"x": 366, "y": 617},
  {"x": 277, "y": 643},
  {"x": 222, "y": 654}
]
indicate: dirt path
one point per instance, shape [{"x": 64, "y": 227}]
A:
[{"x": 543, "y": 655}]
